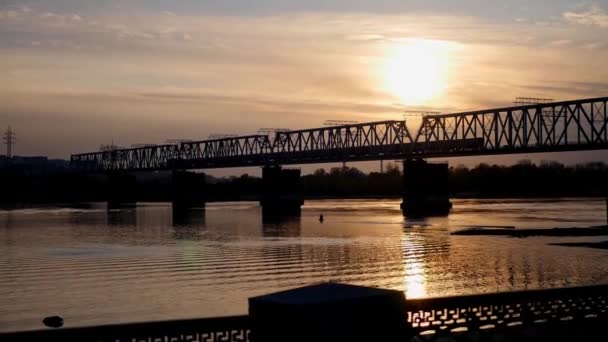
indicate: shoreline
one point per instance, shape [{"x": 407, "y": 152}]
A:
[
  {"x": 531, "y": 232},
  {"x": 594, "y": 245},
  {"x": 86, "y": 204}
]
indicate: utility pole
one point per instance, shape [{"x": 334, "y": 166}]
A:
[{"x": 9, "y": 138}]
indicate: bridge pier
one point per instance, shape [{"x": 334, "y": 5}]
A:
[
  {"x": 121, "y": 190},
  {"x": 425, "y": 188},
  {"x": 188, "y": 190},
  {"x": 281, "y": 193}
]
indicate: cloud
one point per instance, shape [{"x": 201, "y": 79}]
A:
[
  {"x": 366, "y": 37},
  {"x": 189, "y": 71},
  {"x": 46, "y": 15},
  {"x": 595, "y": 45},
  {"x": 95, "y": 31},
  {"x": 8, "y": 14},
  {"x": 102, "y": 31},
  {"x": 594, "y": 16},
  {"x": 571, "y": 88},
  {"x": 561, "y": 42}
]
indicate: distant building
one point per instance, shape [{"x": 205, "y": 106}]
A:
[{"x": 34, "y": 164}]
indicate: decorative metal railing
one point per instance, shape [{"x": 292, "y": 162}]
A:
[
  {"x": 554, "y": 314},
  {"x": 228, "y": 329},
  {"x": 509, "y": 313}
]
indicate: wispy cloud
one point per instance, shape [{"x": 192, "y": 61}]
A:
[
  {"x": 595, "y": 45},
  {"x": 366, "y": 37},
  {"x": 561, "y": 42},
  {"x": 8, "y": 14},
  {"x": 239, "y": 71},
  {"x": 592, "y": 16}
]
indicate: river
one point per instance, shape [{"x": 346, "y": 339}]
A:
[{"x": 91, "y": 266}]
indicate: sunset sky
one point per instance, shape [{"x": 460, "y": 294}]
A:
[{"x": 79, "y": 73}]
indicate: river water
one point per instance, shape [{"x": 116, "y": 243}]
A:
[{"x": 91, "y": 266}]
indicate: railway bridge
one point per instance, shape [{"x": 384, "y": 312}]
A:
[{"x": 576, "y": 125}]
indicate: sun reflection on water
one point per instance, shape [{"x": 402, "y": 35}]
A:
[{"x": 414, "y": 281}]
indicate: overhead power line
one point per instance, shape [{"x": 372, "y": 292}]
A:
[
  {"x": 221, "y": 136},
  {"x": 339, "y": 122},
  {"x": 532, "y": 100},
  {"x": 177, "y": 141},
  {"x": 140, "y": 145},
  {"x": 267, "y": 130}
]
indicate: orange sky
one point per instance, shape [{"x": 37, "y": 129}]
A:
[{"x": 75, "y": 78}]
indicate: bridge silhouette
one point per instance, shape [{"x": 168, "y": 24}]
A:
[
  {"x": 576, "y": 125},
  {"x": 548, "y": 127}
]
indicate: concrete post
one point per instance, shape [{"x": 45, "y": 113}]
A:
[
  {"x": 121, "y": 190},
  {"x": 329, "y": 312},
  {"x": 281, "y": 193},
  {"x": 426, "y": 189},
  {"x": 188, "y": 190}
]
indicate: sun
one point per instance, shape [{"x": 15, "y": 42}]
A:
[{"x": 415, "y": 70}]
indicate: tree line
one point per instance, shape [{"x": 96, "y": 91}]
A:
[{"x": 524, "y": 179}]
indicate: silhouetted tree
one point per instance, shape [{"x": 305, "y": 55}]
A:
[{"x": 524, "y": 179}]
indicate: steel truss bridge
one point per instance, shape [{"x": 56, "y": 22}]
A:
[{"x": 547, "y": 127}]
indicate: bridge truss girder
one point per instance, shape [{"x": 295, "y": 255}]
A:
[{"x": 548, "y": 127}]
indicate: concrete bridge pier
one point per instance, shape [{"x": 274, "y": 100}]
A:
[
  {"x": 281, "y": 193},
  {"x": 121, "y": 190},
  {"x": 426, "y": 191},
  {"x": 188, "y": 190}
]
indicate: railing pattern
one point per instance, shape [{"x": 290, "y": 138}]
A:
[
  {"x": 554, "y": 313},
  {"x": 547, "y": 127},
  {"x": 222, "y": 329},
  {"x": 510, "y": 312}
]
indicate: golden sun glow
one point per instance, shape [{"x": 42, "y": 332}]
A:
[
  {"x": 416, "y": 70},
  {"x": 414, "y": 281}
]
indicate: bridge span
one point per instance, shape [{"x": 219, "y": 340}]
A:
[
  {"x": 546, "y": 127},
  {"x": 549, "y": 127}
]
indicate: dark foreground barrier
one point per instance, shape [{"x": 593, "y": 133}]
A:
[
  {"x": 235, "y": 328},
  {"x": 568, "y": 314}
]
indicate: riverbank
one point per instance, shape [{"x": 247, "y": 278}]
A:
[
  {"x": 596, "y": 245},
  {"x": 522, "y": 180},
  {"x": 522, "y": 233}
]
